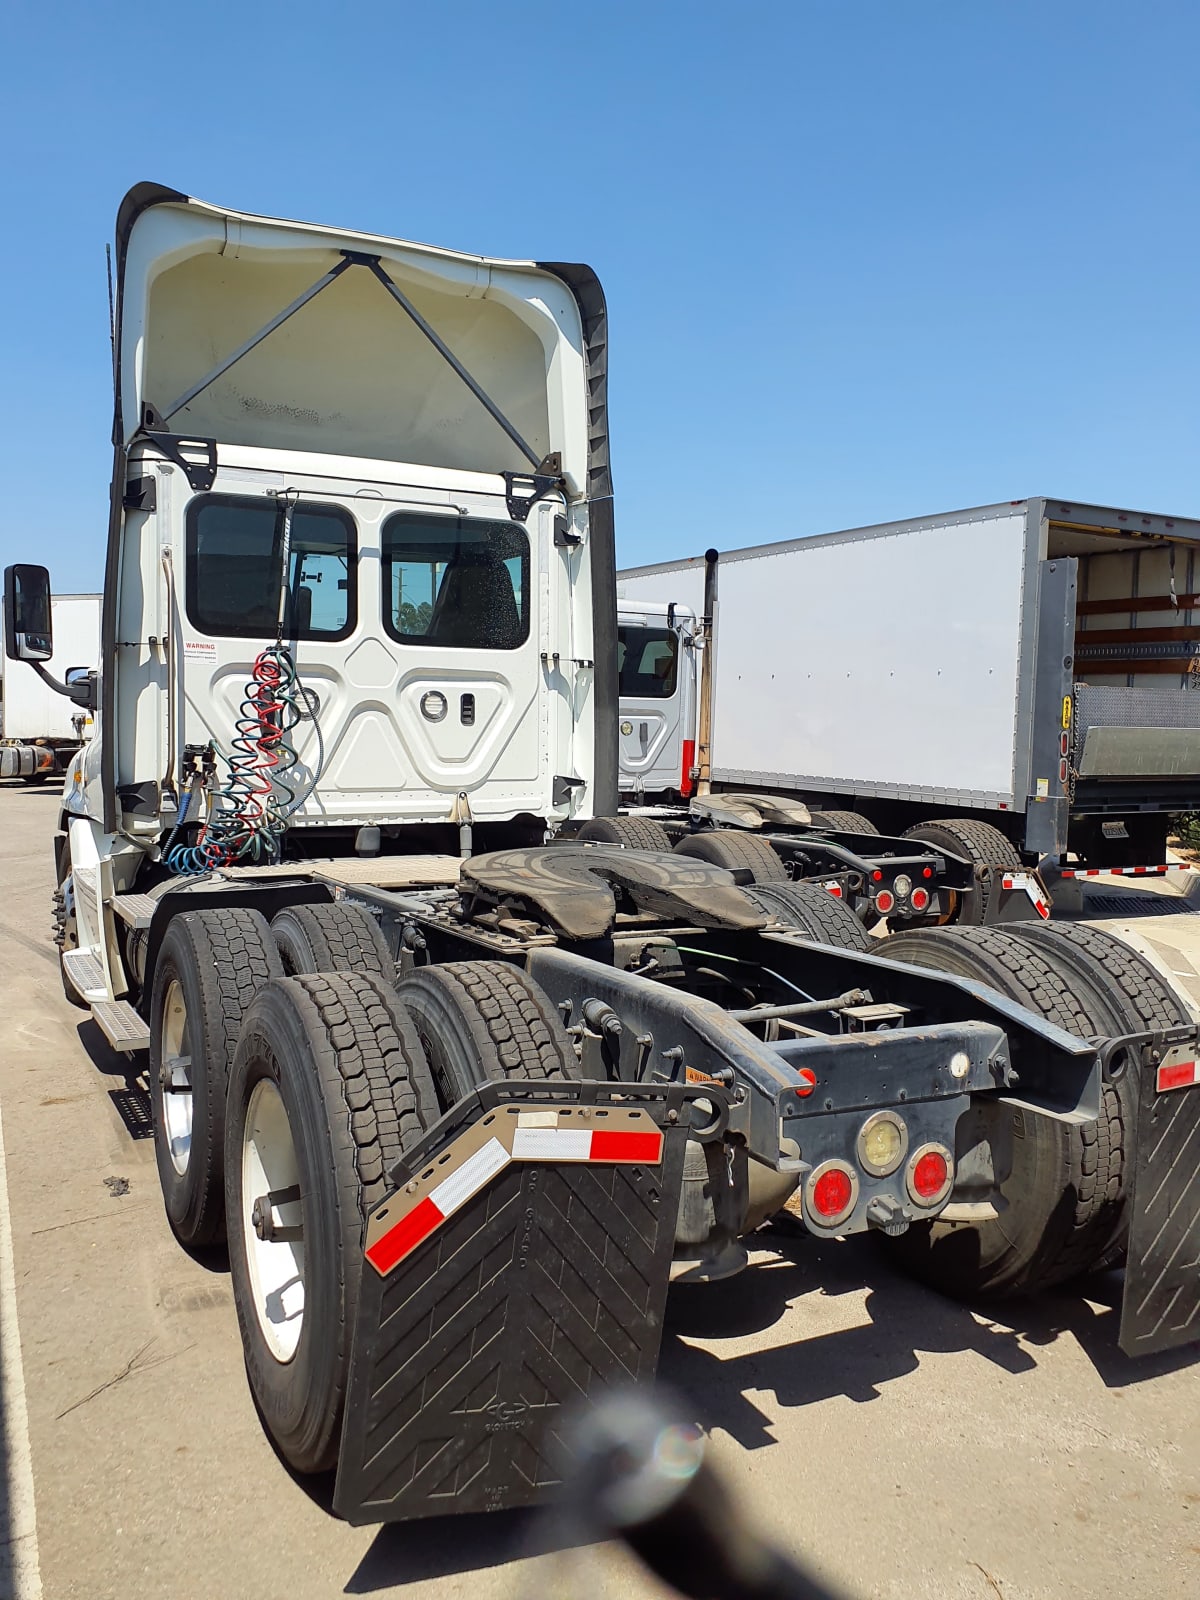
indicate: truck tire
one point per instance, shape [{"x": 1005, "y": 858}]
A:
[
  {"x": 328, "y": 1090},
  {"x": 1148, "y": 995},
  {"x": 210, "y": 966},
  {"x": 964, "y": 836},
  {"x": 481, "y": 1020},
  {"x": 331, "y": 938},
  {"x": 66, "y": 937},
  {"x": 736, "y": 852},
  {"x": 1066, "y": 1191},
  {"x": 815, "y": 913},
  {"x": 981, "y": 845},
  {"x": 631, "y": 833},
  {"x": 1138, "y": 996},
  {"x": 844, "y": 822}
]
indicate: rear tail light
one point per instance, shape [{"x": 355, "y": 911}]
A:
[
  {"x": 885, "y": 901},
  {"x": 929, "y": 1174},
  {"x": 689, "y": 761},
  {"x": 882, "y": 1143},
  {"x": 919, "y": 899},
  {"x": 927, "y": 872},
  {"x": 831, "y": 1193},
  {"x": 877, "y": 876},
  {"x": 835, "y": 890}
]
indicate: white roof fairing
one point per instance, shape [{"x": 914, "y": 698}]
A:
[{"x": 350, "y": 373}]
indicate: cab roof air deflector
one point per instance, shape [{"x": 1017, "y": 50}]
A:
[{"x": 546, "y": 474}]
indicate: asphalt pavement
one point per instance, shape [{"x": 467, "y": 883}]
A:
[{"x": 908, "y": 1446}]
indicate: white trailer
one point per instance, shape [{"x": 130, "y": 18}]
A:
[
  {"x": 39, "y": 728},
  {"x": 1030, "y": 665}
]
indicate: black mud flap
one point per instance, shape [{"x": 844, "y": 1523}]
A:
[
  {"x": 519, "y": 1267},
  {"x": 1161, "y": 1307},
  {"x": 1012, "y": 895}
]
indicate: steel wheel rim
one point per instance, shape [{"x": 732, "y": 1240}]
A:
[
  {"x": 276, "y": 1266},
  {"x": 176, "y": 1078}
]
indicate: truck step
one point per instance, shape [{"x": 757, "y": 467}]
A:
[
  {"x": 85, "y": 972},
  {"x": 135, "y": 909},
  {"x": 121, "y": 1025}
]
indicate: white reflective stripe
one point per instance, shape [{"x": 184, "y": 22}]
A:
[
  {"x": 458, "y": 1188},
  {"x": 552, "y": 1144},
  {"x": 537, "y": 1119}
]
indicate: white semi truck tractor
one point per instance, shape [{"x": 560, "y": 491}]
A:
[{"x": 463, "y": 1096}]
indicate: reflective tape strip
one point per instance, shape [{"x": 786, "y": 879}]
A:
[
  {"x": 585, "y": 1144},
  {"x": 477, "y": 1170},
  {"x": 1181, "y": 1075},
  {"x": 404, "y": 1238},
  {"x": 626, "y": 1146},
  {"x": 1127, "y": 872},
  {"x": 552, "y": 1144}
]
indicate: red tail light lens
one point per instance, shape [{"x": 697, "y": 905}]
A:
[
  {"x": 835, "y": 890},
  {"x": 885, "y": 900},
  {"x": 832, "y": 1193},
  {"x": 930, "y": 1174},
  {"x": 920, "y": 899},
  {"x": 927, "y": 872},
  {"x": 877, "y": 876}
]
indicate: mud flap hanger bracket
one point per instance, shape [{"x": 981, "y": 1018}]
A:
[
  {"x": 523, "y": 489},
  {"x": 1150, "y": 1045}
]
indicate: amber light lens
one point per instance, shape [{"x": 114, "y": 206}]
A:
[{"x": 881, "y": 1146}]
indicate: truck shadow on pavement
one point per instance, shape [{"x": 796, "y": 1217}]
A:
[
  {"x": 126, "y": 1075},
  {"x": 906, "y": 1320}
]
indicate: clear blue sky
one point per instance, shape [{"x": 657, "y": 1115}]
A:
[{"x": 863, "y": 260}]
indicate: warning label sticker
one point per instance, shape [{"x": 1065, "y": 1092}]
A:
[{"x": 199, "y": 650}]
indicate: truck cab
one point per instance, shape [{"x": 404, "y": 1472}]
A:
[{"x": 657, "y": 670}]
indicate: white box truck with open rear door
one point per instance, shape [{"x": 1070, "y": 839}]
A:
[{"x": 1029, "y": 667}]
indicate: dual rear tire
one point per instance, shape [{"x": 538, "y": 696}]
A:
[
  {"x": 282, "y": 1098},
  {"x": 1065, "y": 1199}
]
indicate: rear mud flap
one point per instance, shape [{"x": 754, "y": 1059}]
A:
[
  {"x": 521, "y": 1265},
  {"x": 1161, "y": 1307},
  {"x": 1012, "y": 896}
]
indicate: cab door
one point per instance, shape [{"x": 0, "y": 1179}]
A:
[{"x": 657, "y": 677}]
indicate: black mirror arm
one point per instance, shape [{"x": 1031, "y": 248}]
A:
[{"x": 83, "y": 694}]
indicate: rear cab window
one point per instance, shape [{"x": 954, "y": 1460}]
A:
[
  {"x": 233, "y": 553},
  {"x": 460, "y": 582},
  {"x": 647, "y": 662}
]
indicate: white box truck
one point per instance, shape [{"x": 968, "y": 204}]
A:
[
  {"x": 40, "y": 729},
  {"x": 1030, "y": 666}
]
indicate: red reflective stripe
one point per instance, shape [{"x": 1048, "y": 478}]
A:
[
  {"x": 1180, "y": 1076},
  {"x": 408, "y": 1233},
  {"x": 689, "y": 761},
  {"x": 626, "y": 1146}
]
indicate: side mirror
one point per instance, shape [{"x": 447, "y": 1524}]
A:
[{"x": 28, "y": 630}]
